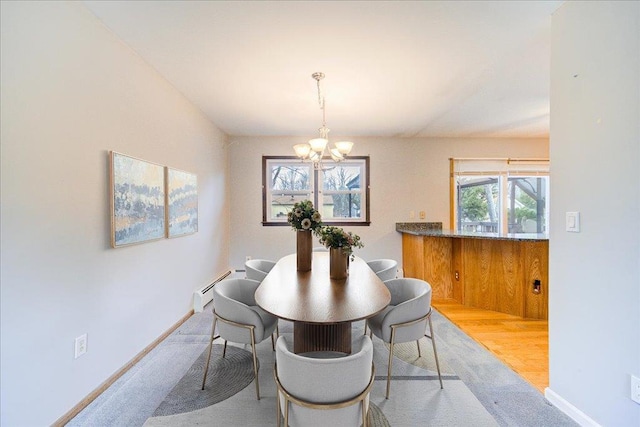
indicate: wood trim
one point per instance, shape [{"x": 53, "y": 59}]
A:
[
  {"x": 452, "y": 194},
  {"x": 333, "y": 223},
  {"x": 63, "y": 420},
  {"x": 508, "y": 159},
  {"x": 367, "y": 189},
  {"x": 264, "y": 189}
]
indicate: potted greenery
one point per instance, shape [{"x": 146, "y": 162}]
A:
[
  {"x": 341, "y": 244},
  {"x": 304, "y": 219}
]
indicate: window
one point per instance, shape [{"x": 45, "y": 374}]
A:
[
  {"x": 340, "y": 191},
  {"x": 500, "y": 195}
]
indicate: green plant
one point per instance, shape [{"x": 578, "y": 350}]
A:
[
  {"x": 304, "y": 216},
  {"x": 336, "y": 237}
]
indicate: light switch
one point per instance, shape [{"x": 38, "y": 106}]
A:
[{"x": 573, "y": 222}]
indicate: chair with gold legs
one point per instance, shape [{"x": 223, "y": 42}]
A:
[
  {"x": 324, "y": 388},
  {"x": 239, "y": 319},
  {"x": 405, "y": 318}
]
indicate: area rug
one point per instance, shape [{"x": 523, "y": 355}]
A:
[
  {"x": 226, "y": 377},
  {"x": 478, "y": 389},
  {"x": 416, "y": 397}
]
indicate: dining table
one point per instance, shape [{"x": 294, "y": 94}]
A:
[{"x": 322, "y": 309}]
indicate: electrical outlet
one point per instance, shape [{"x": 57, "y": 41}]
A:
[
  {"x": 537, "y": 286},
  {"x": 412, "y": 214},
  {"x": 423, "y": 215},
  {"x": 81, "y": 345},
  {"x": 247, "y": 258},
  {"x": 635, "y": 389}
]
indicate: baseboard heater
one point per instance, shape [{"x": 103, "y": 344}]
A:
[{"x": 202, "y": 296}]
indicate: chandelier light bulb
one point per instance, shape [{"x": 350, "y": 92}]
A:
[
  {"x": 302, "y": 150},
  {"x": 344, "y": 147},
  {"x": 318, "y": 144}
]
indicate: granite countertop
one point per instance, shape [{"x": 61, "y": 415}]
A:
[{"x": 434, "y": 229}]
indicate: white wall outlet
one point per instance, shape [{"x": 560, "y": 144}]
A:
[
  {"x": 81, "y": 345},
  {"x": 247, "y": 258},
  {"x": 635, "y": 389},
  {"x": 412, "y": 214},
  {"x": 423, "y": 214}
]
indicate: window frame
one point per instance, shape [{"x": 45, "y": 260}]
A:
[
  {"x": 503, "y": 169},
  {"x": 316, "y": 190}
]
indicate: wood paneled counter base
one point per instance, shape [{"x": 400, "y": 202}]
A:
[{"x": 492, "y": 274}]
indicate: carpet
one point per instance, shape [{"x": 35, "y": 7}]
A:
[
  {"x": 226, "y": 377},
  {"x": 479, "y": 390},
  {"x": 415, "y": 393}
]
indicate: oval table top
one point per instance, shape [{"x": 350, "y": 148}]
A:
[{"x": 313, "y": 297}]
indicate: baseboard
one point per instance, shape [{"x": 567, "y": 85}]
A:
[
  {"x": 574, "y": 413},
  {"x": 113, "y": 378}
]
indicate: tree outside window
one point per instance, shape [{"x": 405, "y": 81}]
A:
[{"x": 339, "y": 191}]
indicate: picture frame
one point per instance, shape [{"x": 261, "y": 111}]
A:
[
  {"x": 182, "y": 202},
  {"x": 138, "y": 200}
]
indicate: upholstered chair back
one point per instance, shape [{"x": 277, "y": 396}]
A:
[
  {"x": 385, "y": 269},
  {"x": 410, "y": 300},
  {"x": 234, "y": 300},
  {"x": 257, "y": 269},
  {"x": 324, "y": 380}
]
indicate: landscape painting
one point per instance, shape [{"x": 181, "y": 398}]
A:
[
  {"x": 137, "y": 200},
  {"x": 182, "y": 204}
]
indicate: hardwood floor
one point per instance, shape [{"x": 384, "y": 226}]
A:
[{"x": 522, "y": 344}]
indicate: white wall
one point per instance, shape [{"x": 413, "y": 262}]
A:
[
  {"x": 594, "y": 303},
  {"x": 406, "y": 175},
  {"x": 70, "y": 92}
]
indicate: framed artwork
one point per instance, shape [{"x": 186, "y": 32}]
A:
[
  {"x": 137, "y": 190},
  {"x": 182, "y": 202}
]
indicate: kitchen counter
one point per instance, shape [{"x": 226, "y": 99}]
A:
[
  {"x": 499, "y": 272},
  {"x": 431, "y": 229}
]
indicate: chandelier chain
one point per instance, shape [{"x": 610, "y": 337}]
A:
[{"x": 323, "y": 105}]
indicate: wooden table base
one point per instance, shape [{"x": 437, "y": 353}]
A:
[{"x": 309, "y": 337}]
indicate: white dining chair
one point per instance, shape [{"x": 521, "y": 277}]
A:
[
  {"x": 385, "y": 269},
  {"x": 405, "y": 318},
  {"x": 325, "y": 389},
  {"x": 239, "y": 319},
  {"x": 257, "y": 269}
]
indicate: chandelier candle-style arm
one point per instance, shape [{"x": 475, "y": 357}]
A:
[
  {"x": 336, "y": 155},
  {"x": 314, "y": 150}
]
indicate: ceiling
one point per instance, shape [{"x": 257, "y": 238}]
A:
[{"x": 393, "y": 68}]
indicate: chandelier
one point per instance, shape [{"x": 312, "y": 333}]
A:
[{"x": 314, "y": 150}]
